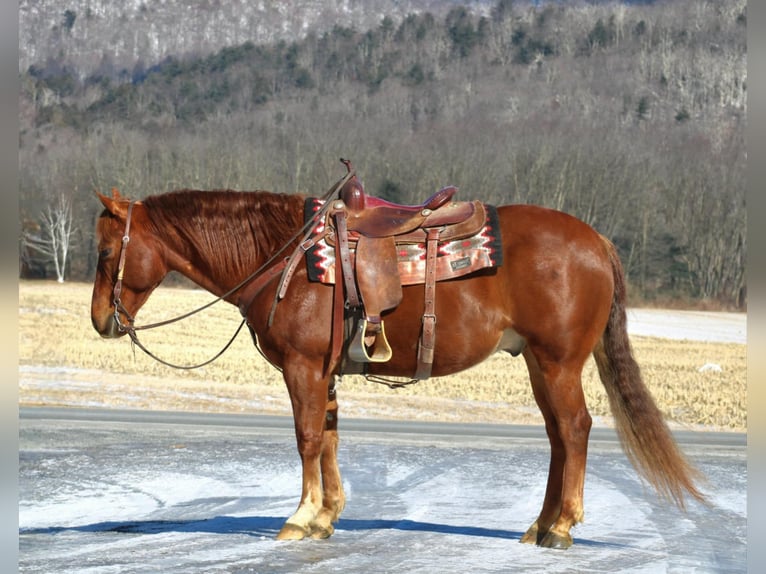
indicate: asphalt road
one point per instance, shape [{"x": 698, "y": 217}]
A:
[{"x": 133, "y": 492}]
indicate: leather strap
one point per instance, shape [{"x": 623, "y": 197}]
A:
[
  {"x": 343, "y": 254},
  {"x": 292, "y": 264},
  {"x": 428, "y": 335},
  {"x": 255, "y": 286},
  {"x": 123, "y": 253},
  {"x": 337, "y": 333}
]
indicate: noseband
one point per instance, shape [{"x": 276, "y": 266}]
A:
[{"x": 118, "y": 306}]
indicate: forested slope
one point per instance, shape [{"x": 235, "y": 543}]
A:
[{"x": 631, "y": 117}]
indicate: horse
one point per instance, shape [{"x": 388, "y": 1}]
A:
[{"x": 558, "y": 298}]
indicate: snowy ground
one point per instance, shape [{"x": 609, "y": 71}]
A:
[
  {"x": 692, "y": 325},
  {"x": 111, "y": 496}
]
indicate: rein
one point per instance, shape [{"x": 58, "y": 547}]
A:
[{"x": 261, "y": 277}]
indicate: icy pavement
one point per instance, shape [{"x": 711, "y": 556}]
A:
[{"x": 174, "y": 497}]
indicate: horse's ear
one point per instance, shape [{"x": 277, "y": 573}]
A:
[{"x": 115, "y": 205}]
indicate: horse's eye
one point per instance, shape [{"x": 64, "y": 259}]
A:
[{"x": 104, "y": 253}]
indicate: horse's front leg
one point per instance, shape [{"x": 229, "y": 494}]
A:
[
  {"x": 314, "y": 415},
  {"x": 334, "y": 499}
]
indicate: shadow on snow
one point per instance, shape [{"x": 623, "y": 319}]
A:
[{"x": 270, "y": 525}]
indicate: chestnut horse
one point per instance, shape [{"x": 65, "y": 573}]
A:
[{"x": 557, "y": 298}]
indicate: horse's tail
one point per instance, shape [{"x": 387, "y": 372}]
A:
[{"x": 645, "y": 437}]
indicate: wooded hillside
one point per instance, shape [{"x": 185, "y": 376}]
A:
[{"x": 631, "y": 117}]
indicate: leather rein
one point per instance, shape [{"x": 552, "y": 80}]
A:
[
  {"x": 131, "y": 328},
  {"x": 259, "y": 278}
]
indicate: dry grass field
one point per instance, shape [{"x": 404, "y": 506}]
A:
[{"x": 63, "y": 361}]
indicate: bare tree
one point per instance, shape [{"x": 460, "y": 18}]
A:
[{"x": 52, "y": 238}]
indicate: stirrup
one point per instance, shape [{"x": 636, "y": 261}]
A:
[{"x": 359, "y": 352}]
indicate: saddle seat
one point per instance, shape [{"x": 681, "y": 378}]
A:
[{"x": 376, "y": 217}]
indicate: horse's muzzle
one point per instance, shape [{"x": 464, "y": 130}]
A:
[{"x": 108, "y": 328}]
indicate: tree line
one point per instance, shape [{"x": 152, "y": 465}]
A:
[{"x": 631, "y": 117}]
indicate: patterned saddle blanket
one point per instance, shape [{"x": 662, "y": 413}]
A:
[{"x": 455, "y": 258}]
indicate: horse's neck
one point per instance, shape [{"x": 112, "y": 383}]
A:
[{"x": 235, "y": 249}]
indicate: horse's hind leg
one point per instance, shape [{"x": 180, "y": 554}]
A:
[
  {"x": 322, "y": 496},
  {"x": 558, "y": 391}
]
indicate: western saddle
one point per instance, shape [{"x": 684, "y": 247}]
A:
[{"x": 364, "y": 232}]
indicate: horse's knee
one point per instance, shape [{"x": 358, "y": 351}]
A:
[{"x": 309, "y": 443}]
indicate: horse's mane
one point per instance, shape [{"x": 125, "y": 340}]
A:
[{"x": 237, "y": 230}]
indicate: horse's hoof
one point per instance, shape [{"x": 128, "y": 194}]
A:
[
  {"x": 556, "y": 541},
  {"x": 531, "y": 535},
  {"x": 292, "y": 532},
  {"x": 321, "y": 532}
]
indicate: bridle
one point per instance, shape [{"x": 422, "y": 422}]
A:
[
  {"x": 130, "y": 328},
  {"x": 118, "y": 306},
  {"x": 257, "y": 280}
]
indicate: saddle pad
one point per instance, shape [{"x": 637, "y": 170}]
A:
[{"x": 454, "y": 259}]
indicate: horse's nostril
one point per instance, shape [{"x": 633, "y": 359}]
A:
[{"x": 108, "y": 329}]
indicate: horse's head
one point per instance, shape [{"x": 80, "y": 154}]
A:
[{"x": 128, "y": 269}]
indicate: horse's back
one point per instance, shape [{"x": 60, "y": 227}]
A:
[{"x": 534, "y": 224}]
